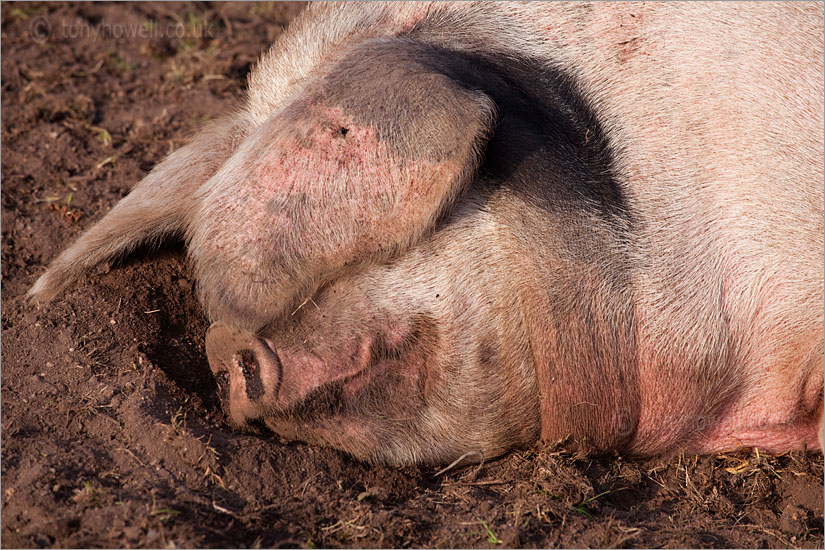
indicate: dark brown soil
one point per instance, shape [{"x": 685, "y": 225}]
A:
[{"x": 112, "y": 435}]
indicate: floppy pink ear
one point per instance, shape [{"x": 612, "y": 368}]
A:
[{"x": 356, "y": 168}]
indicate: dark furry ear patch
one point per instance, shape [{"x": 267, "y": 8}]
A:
[{"x": 402, "y": 90}]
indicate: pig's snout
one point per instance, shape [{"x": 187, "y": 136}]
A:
[{"x": 248, "y": 372}]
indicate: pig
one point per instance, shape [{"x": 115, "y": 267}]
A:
[{"x": 436, "y": 230}]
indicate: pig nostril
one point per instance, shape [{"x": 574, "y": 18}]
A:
[{"x": 251, "y": 370}]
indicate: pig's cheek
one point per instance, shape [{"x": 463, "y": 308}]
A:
[
  {"x": 402, "y": 377},
  {"x": 380, "y": 404}
]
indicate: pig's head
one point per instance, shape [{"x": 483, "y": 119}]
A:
[
  {"x": 345, "y": 268},
  {"x": 392, "y": 364},
  {"x": 293, "y": 244}
]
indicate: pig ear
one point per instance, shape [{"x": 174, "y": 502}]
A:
[
  {"x": 158, "y": 206},
  {"x": 418, "y": 102},
  {"x": 379, "y": 144}
]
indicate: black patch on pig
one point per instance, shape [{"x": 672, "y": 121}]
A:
[
  {"x": 549, "y": 150},
  {"x": 546, "y": 132},
  {"x": 320, "y": 403},
  {"x": 546, "y": 135},
  {"x": 251, "y": 373}
]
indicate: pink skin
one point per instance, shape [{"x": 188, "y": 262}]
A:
[{"x": 770, "y": 396}]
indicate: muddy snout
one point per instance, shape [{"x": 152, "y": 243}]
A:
[{"x": 248, "y": 372}]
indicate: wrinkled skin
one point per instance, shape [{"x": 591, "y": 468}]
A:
[{"x": 435, "y": 230}]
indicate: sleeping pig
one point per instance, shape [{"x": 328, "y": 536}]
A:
[{"x": 434, "y": 229}]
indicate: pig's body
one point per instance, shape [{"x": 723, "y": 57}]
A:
[{"x": 598, "y": 222}]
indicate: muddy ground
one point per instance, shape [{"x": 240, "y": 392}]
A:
[{"x": 112, "y": 435}]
